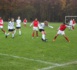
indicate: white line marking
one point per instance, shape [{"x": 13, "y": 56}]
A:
[
  {"x": 59, "y": 65},
  {"x": 54, "y": 65},
  {"x": 29, "y": 59}
]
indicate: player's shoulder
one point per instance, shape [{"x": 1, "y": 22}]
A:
[{"x": 9, "y": 21}]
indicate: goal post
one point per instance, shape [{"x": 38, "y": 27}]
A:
[{"x": 68, "y": 18}]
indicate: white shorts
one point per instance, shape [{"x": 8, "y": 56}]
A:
[
  {"x": 73, "y": 24},
  {"x": 1, "y": 26},
  {"x": 35, "y": 28},
  {"x": 61, "y": 32},
  {"x": 24, "y": 22}
]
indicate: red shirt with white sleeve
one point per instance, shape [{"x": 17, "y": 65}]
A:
[
  {"x": 35, "y": 23},
  {"x": 62, "y": 27},
  {"x": 74, "y": 22},
  {"x": 25, "y": 21},
  {"x": 1, "y": 22}
]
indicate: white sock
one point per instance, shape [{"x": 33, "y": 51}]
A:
[
  {"x": 12, "y": 35},
  {"x": 14, "y": 31},
  {"x": 19, "y": 32},
  {"x": 5, "y": 33},
  {"x": 43, "y": 36},
  {"x": 8, "y": 34}
]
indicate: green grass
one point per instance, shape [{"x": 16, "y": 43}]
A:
[{"x": 60, "y": 51}]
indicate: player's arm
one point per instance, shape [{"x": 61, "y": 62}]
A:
[
  {"x": 58, "y": 28},
  {"x": 50, "y": 26},
  {"x": 68, "y": 26},
  {"x": 31, "y": 24}
]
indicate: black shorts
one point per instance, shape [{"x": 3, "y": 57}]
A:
[
  {"x": 41, "y": 30},
  {"x": 10, "y": 30},
  {"x": 18, "y": 27}
]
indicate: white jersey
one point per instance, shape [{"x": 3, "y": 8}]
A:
[
  {"x": 71, "y": 23},
  {"x": 18, "y": 23},
  {"x": 11, "y": 25},
  {"x": 42, "y": 25}
]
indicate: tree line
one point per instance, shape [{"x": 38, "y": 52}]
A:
[{"x": 51, "y": 10}]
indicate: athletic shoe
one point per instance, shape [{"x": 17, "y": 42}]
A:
[
  {"x": 44, "y": 40},
  {"x": 6, "y": 36},
  {"x": 53, "y": 40}
]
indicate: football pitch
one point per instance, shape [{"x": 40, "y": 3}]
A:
[{"x": 25, "y": 53}]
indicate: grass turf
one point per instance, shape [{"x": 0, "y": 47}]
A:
[{"x": 59, "y": 51}]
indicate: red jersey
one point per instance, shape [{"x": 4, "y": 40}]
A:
[
  {"x": 62, "y": 27},
  {"x": 25, "y": 20},
  {"x": 73, "y": 21},
  {"x": 1, "y": 22},
  {"x": 35, "y": 23}
]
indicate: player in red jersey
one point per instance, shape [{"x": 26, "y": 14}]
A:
[
  {"x": 35, "y": 27},
  {"x": 61, "y": 31},
  {"x": 73, "y": 24},
  {"x": 25, "y": 21},
  {"x": 1, "y": 25}
]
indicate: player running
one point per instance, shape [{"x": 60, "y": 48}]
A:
[
  {"x": 1, "y": 25},
  {"x": 72, "y": 23},
  {"x": 35, "y": 27},
  {"x": 18, "y": 25},
  {"x": 10, "y": 28},
  {"x": 41, "y": 29},
  {"x": 25, "y": 21},
  {"x": 61, "y": 31}
]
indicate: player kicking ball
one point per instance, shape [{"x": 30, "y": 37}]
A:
[
  {"x": 10, "y": 28},
  {"x": 61, "y": 32},
  {"x": 41, "y": 29}
]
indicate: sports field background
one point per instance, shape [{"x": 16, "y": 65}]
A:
[{"x": 25, "y": 53}]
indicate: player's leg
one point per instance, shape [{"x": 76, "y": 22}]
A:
[
  {"x": 3, "y": 31},
  {"x": 19, "y": 31},
  {"x": 33, "y": 33},
  {"x": 15, "y": 30},
  {"x": 66, "y": 38},
  {"x": 55, "y": 37},
  {"x": 25, "y": 24},
  {"x": 72, "y": 27},
  {"x": 63, "y": 33},
  {"x": 59, "y": 32},
  {"x": 12, "y": 34},
  {"x": 36, "y": 32},
  {"x": 8, "y": 34},
  {"x": 43, "y": 35}
]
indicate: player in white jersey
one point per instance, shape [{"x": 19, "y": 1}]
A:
[
  {"x": 18, "y": 25},
  {"x": 70, "y": 24},
  {"x": 10, "y": 28},
  {"x": 41, "y": 29}
]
